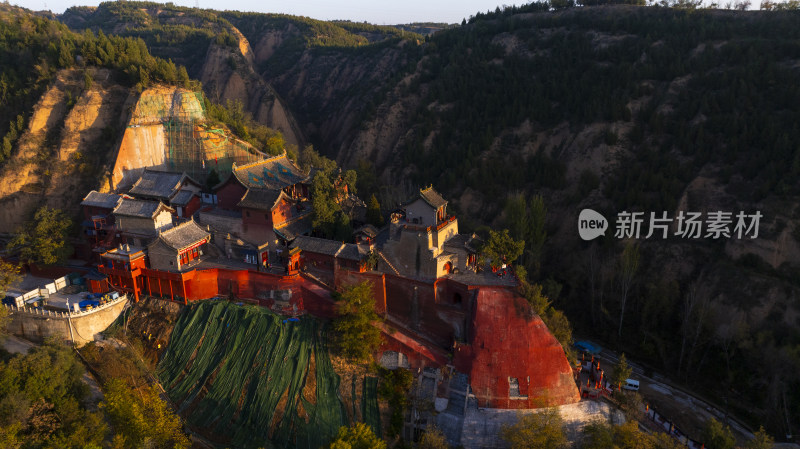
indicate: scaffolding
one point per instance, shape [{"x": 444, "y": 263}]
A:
[
  {"x": 192, "y": 145},
  {"x": 197, "y": 148}
]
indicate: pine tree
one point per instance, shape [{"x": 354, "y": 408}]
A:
[
  {"x": 621, "y": 371},
  {"x": 356, "y": 337},
  {"x": 374, "y": 216}
]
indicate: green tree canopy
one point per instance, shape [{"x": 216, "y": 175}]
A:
[
  {"x": 433, "y": 438},
  {"x": 502, "y": 248},
  {"x": 540, "y": 304},
  {"x": 600, "y": 435},
  {"x": 527, "y": 223},
  {"x": 142, "y": 419},
  {"x": 234, "y": 115},
  {"x": 9, "y": 273},
  {"x": 212, "y": 179},
  {"x": 622, "y": 371},
  {"x": 45, "y": 240},
  {"x": 374, "y": 216},
  {"x": 761, "y": 440},
  {"x": 356, "y": 337},
  {"x": 357, "y": 436},
  {"x": 327, "y": 191},
  {"x": 543, "y": 429},
  {"x": 717, "y": 436},
  {"x": 394, "y": 388},
  {"x": 40, "y": 402}
]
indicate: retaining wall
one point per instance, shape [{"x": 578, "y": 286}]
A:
[{"x": 37, "y": 325}]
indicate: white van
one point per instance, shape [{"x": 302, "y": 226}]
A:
[{"x": 630, "y": 384}]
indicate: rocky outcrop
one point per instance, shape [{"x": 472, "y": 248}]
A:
[
  {"x": 60, "y": 155},
  {"x": 168, "y": 130},
  {"x": 228, "y": 74},
  {"x": 509, "y": 344}
]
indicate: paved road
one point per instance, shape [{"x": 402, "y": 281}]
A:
[
  {"x": 660, "y": 387},
  {"x": 17, "y": 345}
]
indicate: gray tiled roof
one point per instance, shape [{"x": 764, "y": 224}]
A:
[
  {"x": 182, "y": 198},
  {"x": 183, "y": 235},
  {"x": 294, "y": 229},
  {"x": 351, "y": 251},
  {"x": 432, "y": 197},
  {"x": 96, "y": 199},
  {"x": 368, "y": 230},
  {"x": 469, "y": 242},
  {"x": 354, "y": 207},
  {"x": 158, "y": 184},
  {"x": 138, "y": 208},
  {"x": 262, "y": 199},
  {"x": 273, "y": 173},
  {"x": 317, "y": 245}
]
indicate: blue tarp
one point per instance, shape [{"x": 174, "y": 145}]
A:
[
  {"x": 591, "y": 348},
  {"x": 88, "y": 302}
]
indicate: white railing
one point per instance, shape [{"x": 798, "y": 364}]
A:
[{"x": 38, "y": 311}]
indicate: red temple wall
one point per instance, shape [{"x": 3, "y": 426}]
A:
[
  {"x": 510, "y": 343},
  {"x": 194, "y": 205},
  {"x": 346, "y": 278},
  {"x": 229, "y": 195},
  {"x": 282, "y": 212}
]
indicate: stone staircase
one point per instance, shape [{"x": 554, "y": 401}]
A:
[
  {"x": 386, "y": 261},
  {"x": 459, "y": 392},
  {"x": 451, "y": 420}
]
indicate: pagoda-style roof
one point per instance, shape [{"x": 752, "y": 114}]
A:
[
  {"x": 273, "y": 173},
  {"x": 351, "y": 251},
  {"x": 292, "y": 229},
  {"x": 317, "y": 245},
  {"x": 183, "y": 236},
  {"x": 367, "y": 230},
  {"x": 159, "y": 185},
  {"x": 432, "y": 197},
  {"x": 467, "y": 242},
  {"x": 261, "y": 199},
  {"x": 104, "y": 200},
  {"x": 125, "y": 253},
  {"x": 182, "y": 198},
  {"x": 130, "y": 207}
]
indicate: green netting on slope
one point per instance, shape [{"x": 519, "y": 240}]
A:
[
  {"x": 188, "y": 105},
  {"x": 239, "y": 372},
  {"x": 369, "y": 404}
]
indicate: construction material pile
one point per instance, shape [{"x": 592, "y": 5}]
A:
[{"x": 247, "y": 378}]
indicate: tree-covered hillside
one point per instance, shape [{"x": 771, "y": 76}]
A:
[
  {"x": 634, "y": 109},
  {"x": 610, "y": 107},
  {"x": 33, "y": 49}
]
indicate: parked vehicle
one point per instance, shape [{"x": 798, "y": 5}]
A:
[{"x": 631, "y": 384}]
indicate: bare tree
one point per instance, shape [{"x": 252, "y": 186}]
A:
[
  {"x": 592, "y": 268},
  {"x": 730, "y": 327},
  {"x": 629, "y": 265},
  {"x": 693, "y": 318}
]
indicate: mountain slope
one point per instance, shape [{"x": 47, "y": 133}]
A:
[{"x": 612, "y": 108}]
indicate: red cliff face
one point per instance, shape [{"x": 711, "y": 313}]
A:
[{"x": 513, "y": 361}]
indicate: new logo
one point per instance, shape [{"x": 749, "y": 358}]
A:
[{"x": 591, "y": 224}]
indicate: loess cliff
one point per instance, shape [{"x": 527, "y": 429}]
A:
[{"x": 60, "y": 155}]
